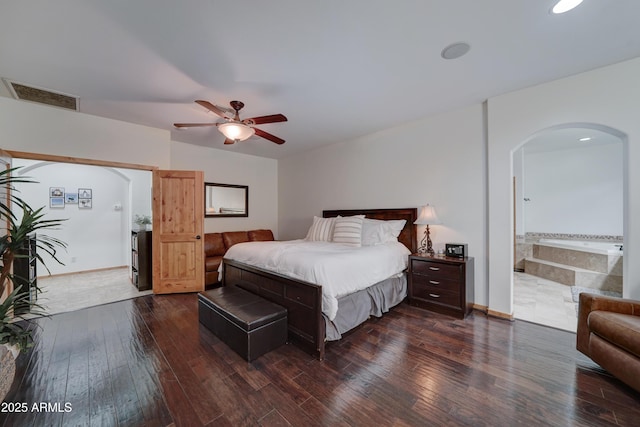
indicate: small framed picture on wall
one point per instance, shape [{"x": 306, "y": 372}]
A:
[
  {"x": 84, "y": 203},
  {"x": 71, "y": 198},
  {"x": 84, "y": 193},
  {"x": 56, "y": 202},
  {"x": 56, "y": 191}
]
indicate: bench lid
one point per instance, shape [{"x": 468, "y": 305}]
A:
[{"x": 245, "y": 309}]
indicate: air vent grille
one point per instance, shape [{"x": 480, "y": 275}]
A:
[{"x": 43, "y": 96}]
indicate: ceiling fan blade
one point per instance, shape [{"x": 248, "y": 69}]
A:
[
  {"x": 193, "y": 125},
  {"x": 268, "y": 136},
  {"x": 229, "y": 141},
  {"x": 273, "y": 118},
  {"x": 213, "y": 108}
]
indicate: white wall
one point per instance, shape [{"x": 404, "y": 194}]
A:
[
  {"x": 41, "y": 129},
  {"x": 575, "y": 191},
  {"x": 608, "y": 97},
  {"x": 435, "y": 160},
  {"x": 139, "y": 193},
  {"x": 224, "y": 167}
]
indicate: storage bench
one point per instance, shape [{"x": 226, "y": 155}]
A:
[{"x": 247, "y": 323}]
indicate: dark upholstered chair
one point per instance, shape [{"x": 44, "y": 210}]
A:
[{"x": 609, "y": 333}]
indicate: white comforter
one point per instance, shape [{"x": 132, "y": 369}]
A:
[{"x": 339, "y": 269}]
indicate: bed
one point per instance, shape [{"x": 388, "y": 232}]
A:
[{"x": 308, "y": 326}]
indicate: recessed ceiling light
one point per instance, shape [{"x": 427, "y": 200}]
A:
[
  {"x": 565, "y": 5},
  {"x": 585, "y": 139},
  {"x": 455, "y": 50}
]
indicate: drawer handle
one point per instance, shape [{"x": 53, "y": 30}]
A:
[
  {"x": 433, "y": 282},
  {"x": 434, "y": 296},
  {"x": 434, "y": 268}
]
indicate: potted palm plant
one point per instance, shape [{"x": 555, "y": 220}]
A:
[{"x": 19, "y": 221}]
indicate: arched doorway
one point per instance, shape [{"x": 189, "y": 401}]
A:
[
  {"x": 569, "y": 199},
  {"x": 97, "y": 260}
]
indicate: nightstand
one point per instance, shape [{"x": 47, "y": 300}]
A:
[{"x": 441, "y": 284}]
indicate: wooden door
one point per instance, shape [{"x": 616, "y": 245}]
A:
[{"x": 178, "y": 240}]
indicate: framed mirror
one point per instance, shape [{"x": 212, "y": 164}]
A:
[{"x": 224, "y": 200}]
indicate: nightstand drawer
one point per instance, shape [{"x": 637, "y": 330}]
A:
[
  {"x": 436, "y": 270},
  {"x": 437, "y": 296},
  {"x": 436, "y": 283}
]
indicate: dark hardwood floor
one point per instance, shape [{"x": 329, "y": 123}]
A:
[{"x": 148, "y": 362}]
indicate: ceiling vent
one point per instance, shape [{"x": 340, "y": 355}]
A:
[{"x": 42, "y": 96}]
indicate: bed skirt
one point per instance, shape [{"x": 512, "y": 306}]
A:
[{"x": 356, "y": 308}]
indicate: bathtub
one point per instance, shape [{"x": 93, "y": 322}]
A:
[{"x": 604, "y": 248}]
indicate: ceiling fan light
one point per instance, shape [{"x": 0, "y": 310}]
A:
[
  {"x": 236, "y": 131},
  {"x": 563, "y": 6}
]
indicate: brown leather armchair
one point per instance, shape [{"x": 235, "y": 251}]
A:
[
  {"x": 609, "y": 333},
  {"x": 216, "y": 244}
]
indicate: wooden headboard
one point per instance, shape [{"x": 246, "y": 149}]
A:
[{"x": 407, "y": 236}]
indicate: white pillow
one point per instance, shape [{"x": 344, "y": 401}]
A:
[
  {"x": 348, "y": 230},
  {"x": 321, "y": 230},
  {"x": 375, "y": 231}
]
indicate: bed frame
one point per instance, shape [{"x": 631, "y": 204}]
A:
[{"x": 303, "y": 300}]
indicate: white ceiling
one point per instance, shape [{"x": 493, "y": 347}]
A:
[{"x": 337, "y": 69}]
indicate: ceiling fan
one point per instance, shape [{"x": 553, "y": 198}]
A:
[{"x": 235, "y": 129}]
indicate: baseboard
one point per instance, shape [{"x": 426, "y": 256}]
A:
[
  {"x": 95, "y": 270},
  {"x": 500, "y": 315},
  {"x": 492, "y": 313},
  {"x": 482, "y": 308}
]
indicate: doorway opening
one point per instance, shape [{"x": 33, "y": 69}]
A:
[
  {"x": 569, "y": 199},
  {"x": 99, "y": 203}
]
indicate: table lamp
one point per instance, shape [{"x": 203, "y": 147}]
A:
[{"x": 427, "y": 217}]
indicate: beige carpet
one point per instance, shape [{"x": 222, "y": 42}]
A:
[{"x": 76, "y": 291}]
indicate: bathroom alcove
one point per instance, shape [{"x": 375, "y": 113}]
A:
[
  {"x": 98, "y": 238},
  {"x": 567, "y": 187}
]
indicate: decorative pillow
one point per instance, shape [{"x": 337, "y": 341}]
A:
[
  {"x": 375, "y": 231},
  {"x": 321, "y": 230},
  {"x": 348, "y": 230}
]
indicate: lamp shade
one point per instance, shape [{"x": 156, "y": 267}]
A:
[
  {"x": 427, "y": 216},
  {"x": 236, "y": 131}
]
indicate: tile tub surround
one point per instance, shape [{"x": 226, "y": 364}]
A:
[
  {"x": 598, "y": 262},
  {"x": 536, "y": 236},
  {"x": 524, "y": 243},
  {"x": 524, "y": 249},
  {"x": 575, "y": 267}
]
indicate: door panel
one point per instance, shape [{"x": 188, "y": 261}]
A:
[{"x": 178, "y": 241}]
